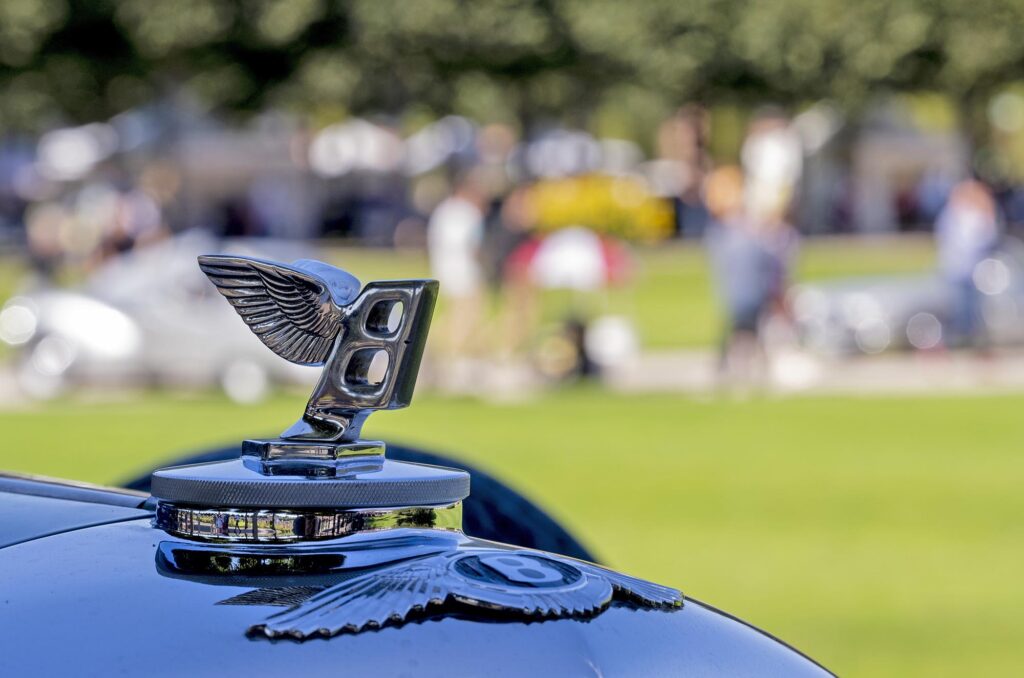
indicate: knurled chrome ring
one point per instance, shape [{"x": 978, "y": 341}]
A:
[{"x": 232, "y": 483}]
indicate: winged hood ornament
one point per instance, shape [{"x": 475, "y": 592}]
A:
[
  {"x": 313, "y": 314},
  {"x": 318, "y": 479}
]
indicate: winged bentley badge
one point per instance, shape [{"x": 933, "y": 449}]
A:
[
  {"x": 521, "y": 583},
  {"x": 390, "y": 544}
]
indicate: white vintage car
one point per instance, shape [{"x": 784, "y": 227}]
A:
[{"x": 149, "y": 317}]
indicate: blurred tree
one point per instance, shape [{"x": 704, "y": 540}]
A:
[{"x": 79, "y": 60}]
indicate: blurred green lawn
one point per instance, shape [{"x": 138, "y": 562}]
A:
[
  {"x": 883, "y": 536},
  {"x": 670, "y": 296}
]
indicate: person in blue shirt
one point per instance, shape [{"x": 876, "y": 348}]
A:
[
  {"x": 966, "y": 232},
  {"x": 745, "y": 272}
]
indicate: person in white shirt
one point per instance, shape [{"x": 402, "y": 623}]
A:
[
  {"x": 455, "y": 235},
  {"x": 772, "y": 158}
]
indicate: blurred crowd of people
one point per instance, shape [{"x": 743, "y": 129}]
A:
[
  {"x": 502, "y": 219},
  {"x": 98, "y": 220},
  {"x": 752, "y": 246},
  {"x": 483, "y": 247}
]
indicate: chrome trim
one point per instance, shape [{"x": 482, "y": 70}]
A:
[
  {"x": 313, "y": 460},
  {"x": 298, "y": 450},
  {"x": 283, "y": 526}
]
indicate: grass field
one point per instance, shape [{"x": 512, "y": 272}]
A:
[
  {"x": 882, "y": 536},
  {"x": 670, "y": 297}
]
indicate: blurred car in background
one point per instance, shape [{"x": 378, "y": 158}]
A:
[
  {"x": 878, "y": 313},
  {"x": 149, "y": 317}
]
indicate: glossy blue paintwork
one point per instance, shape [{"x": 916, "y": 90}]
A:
[
  {"x": 93, "y": 601},
  {"x": 24, "y": 516}
]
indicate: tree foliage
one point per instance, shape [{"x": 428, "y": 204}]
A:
[{"x": 77, "y": 60}]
